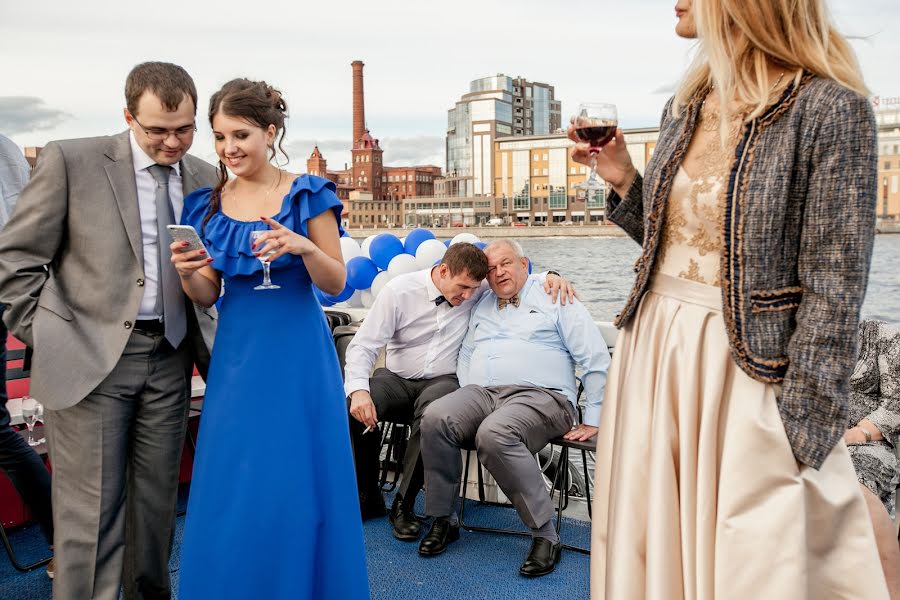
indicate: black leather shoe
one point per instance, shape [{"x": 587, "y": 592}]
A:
[
  {"x": 437, "y": 539},
  {"x": 542, "y": 559},
  {"x": 371, "y": 505},
  {"x": 406, "y": 523}
]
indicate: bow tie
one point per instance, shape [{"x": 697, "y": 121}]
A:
[
  {"x": 501, "y": 303},
  {"x": 439, "y": 300}
]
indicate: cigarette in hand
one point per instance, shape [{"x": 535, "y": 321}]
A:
[{"x": 368, "y": 429}]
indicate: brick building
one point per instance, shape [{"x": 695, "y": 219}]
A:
[{"x": 372, "y": 193}]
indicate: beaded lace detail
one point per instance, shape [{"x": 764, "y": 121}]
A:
[{"x": 692, "y": 243}]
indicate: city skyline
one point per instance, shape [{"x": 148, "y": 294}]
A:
[{"x": 72, "y": 61}]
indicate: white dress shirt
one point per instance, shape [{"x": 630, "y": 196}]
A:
[
  {"x": 422, "y": 338},
  {"x": 146, "y": 192}
]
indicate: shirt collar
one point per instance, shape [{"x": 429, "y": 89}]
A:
[
  {"x": 430, "y": 289},
  {"x": 141, "y": 160}
]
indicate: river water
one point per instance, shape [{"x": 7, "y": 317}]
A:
[{"x": 602, "y": 271}]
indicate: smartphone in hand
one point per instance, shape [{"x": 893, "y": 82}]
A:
[{"x": 186, "y": 233}]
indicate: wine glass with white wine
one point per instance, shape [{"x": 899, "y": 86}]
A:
[
  {"x": 264, "y": 259},
  {"x": 32, "y": 412}
]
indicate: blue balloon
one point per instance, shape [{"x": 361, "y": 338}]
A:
[
  {"x": 447, "y": 243},
  {"x": 361, "y": 271},
  {"x": 529, "y": 265},
  {"x": 344, "y": 295},
  {"x": 481, "y": 245},
  {"x": 416, "y": 237},
  {"x": 322, "y": 297},
  {"x": 384, "y": 248},
  {"x": 344, "y": 234}
]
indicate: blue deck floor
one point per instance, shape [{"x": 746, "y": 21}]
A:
[{"x": 479, "y": 566}]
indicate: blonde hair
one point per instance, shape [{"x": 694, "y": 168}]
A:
[{"x": 738, "y": 39}]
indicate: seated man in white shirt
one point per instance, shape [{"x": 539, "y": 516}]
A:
[
  {"x": 421, "y": 319},
  {"x": 517, "y": 366}
]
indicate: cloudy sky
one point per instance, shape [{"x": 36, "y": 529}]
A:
[{"x": 64, "y": 66}]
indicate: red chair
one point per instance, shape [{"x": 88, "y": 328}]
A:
[{"x": 13, "y": 511}]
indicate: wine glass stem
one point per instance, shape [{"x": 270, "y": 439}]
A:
[
  {"x": 594, "y": 166},
  {"x": 267, "y": 273},
  {"x": 30, "y": 438}
]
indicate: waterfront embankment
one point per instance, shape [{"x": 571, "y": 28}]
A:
[{"x": 574, "y": 231}]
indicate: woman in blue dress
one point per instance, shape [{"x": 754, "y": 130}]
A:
[{"x": 273, "y": 511}]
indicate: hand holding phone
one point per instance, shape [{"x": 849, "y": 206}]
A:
[
  {"x": 189, "y": 254},
  {"x": 186, "y": 233}
]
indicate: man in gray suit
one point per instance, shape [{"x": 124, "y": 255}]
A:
[{"x": 86, "y": 277}]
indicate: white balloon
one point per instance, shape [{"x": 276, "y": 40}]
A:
[
  {"x": 379, "y": 282},
  {"x": 365, "y": 245},
  {"x": 429, "y": 252},
  {"x": 356, "y": 301},
  {"x": 470, "y": 238},
  {"x": 349, "y": 249},
  {"x": 402, "y": 263},
  {"x": 367, "y": 298}
]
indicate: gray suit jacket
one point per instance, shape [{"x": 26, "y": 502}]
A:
[
  {"x": 71, "y": 265},
  {"x": 798, "y": 230}
]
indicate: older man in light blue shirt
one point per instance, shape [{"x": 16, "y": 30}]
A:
[{"x": 517, "y": 366}]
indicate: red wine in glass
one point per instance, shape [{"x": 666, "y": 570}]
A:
[
  {"x": 595, "y": 123},
  {"x": 596, "y": 134}
]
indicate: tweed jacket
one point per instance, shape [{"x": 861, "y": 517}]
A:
[{"x": 798, "y": 229}]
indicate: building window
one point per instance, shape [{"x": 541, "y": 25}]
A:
[
  {"x": 597, "y": 199},
  {"x": 522, "y": 201},
  {"x": 536, "y": 157},
  {"x": 558, "y": 198},
  {"x": 545, "y": 156},
  {"x": 544, "y": 172},
  {"x": 536, "y": 172},
  {"x": 887, "y": 165}
]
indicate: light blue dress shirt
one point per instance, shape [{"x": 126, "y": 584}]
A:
[
  {"x": 14, "y": 173},
  {"x": 537, "y": 344}
]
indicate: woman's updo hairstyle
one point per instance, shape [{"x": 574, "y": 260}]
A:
[{"x": 256, "y": 102}]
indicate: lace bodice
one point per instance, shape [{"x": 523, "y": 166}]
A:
[{"x": 691, "y": 243}]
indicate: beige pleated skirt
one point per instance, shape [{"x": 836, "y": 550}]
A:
[{"x": 697, "y": 493}]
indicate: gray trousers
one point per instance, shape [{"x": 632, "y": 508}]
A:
[
  {"x": 508, "y": 425},
  {"x": 397, "y": 400},
  {"x": 116, "y": 457}
]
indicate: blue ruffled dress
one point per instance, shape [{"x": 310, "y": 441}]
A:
[{"x": 273, "y": 510}]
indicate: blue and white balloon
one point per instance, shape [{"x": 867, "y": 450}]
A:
[
  {"x": 361, "y": 271},
  {"x": 415, "y": 239},
  {"x": 402, "y": 263},
  {"x": 469, "y": 238},
  {"x": 383, "y": 248},
  {"x": 349, "y": 249},
  {"x": 379, "y": 282},
  {"x": 365, "y": 245},
  {"x": 428, "y": 252}
]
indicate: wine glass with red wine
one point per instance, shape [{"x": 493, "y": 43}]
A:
[{"x": 595, "y": 123}]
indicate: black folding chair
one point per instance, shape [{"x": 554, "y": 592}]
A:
[{"x": 558, "y": 483}]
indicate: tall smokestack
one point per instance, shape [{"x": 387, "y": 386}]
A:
[{"x": 359, "y": 105}]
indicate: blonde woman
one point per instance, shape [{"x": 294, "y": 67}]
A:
[{"x": 720, "y": 467}]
